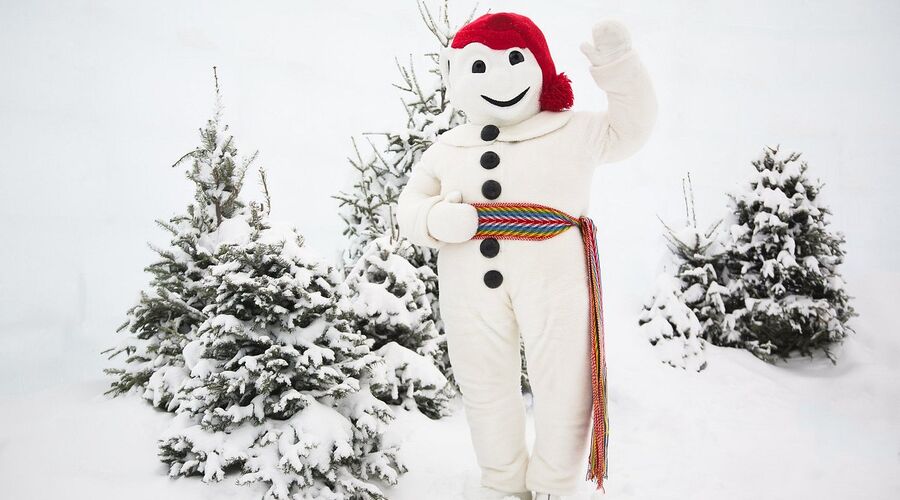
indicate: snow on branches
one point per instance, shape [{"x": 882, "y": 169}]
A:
[
  {"x": 275, "y": 387},
  {"x": 782, "y": 260},
  {"x": 387, "y": 300},
  {"x": 241, "y": 335},
  {"x": 687, "y": 302},
  {"x": 766, "y": 281},
  {"x": 382, "y": 168}
]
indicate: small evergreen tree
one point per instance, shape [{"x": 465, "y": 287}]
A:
[
  {"x": 275, "y": 377},
  {"x": 242, "y": 337},
  {"x": 382, "y": 171},
  {"x": 168, "y": 315},
  {"x": 387, "y": 299},
  {"x": 672, "y": 327},
  {"x": 687, "y": 306},
  {"x": 785, "y": 293}
]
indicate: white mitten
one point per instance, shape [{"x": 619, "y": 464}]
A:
[
  {"x": 451, "y": 221},
  {"x": 611, "y": 41}
]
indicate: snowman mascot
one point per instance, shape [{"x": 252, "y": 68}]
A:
[{"x": 503, "y": 197}]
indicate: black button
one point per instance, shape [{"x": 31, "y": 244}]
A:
[
  {"x": 490, "y": 189},
  {"x": 493, "y": 279},
  {"x": 490, "y": 247},
  {"x": 490, "y": 160},
  {"x": 489, "y": 132}
]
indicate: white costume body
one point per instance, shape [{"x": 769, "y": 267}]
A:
[{"x": 549, "y": 159}]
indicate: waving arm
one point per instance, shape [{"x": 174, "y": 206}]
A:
[{"x": 626, "y": 125}]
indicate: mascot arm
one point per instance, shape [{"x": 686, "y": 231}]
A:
[
  {"x": 626, "y": 125},
  {"x": 428, "y": 218},
  {"x": 421, "y": 193}
]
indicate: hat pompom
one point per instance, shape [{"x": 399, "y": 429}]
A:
[{"x": 556, "y": 95}]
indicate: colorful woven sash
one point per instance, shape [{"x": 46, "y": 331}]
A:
[{"x": 528, "y": 221}]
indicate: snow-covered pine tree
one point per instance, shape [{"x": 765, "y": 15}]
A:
[
  {"x": 168, "y": 315},
  {"x": 382, "y": 168},
  {"x": 387, "y": 300},
  {"x": 274, "y": 390},
  {"x": 687, "y": 305},
  {"x": 672, "y": 327},
  {"x": 239, "y": 335},
  {"x": 786, "y": 294}
]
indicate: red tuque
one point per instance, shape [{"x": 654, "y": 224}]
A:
[{"x": 505, "y": 30}]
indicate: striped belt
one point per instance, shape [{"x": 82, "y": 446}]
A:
[{"x": 528, "y": 221}]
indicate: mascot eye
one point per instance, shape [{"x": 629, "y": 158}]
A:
[
  {"x": 478, "y": 66},
  {"x": 515, "y": 57}
]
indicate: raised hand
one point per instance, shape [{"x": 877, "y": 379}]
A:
[{"x": 611, "y": 40}]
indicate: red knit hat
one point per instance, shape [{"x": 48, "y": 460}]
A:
[{"x": 505, "y": 30}]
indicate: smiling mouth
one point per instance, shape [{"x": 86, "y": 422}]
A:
[{"x": 506, "y": 104}]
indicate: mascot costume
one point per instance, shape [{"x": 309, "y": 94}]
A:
[{"x": 504, "y": 197}]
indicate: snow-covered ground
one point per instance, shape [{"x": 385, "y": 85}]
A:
[
  {"x": 97, "y": 99},
  {"x": 739, "y": 430}
]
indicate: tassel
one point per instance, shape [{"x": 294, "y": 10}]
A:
[{"x": 597, "y": 468}]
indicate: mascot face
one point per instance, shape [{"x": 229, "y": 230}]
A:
[{"x": 499, "y": 87}]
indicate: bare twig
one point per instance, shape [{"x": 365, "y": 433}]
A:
[{"x": 263, "y": 181}]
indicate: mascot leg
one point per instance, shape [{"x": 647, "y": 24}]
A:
[
  {"x": 483, "y": 346},
  {"x": 554, "y": 321}
]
